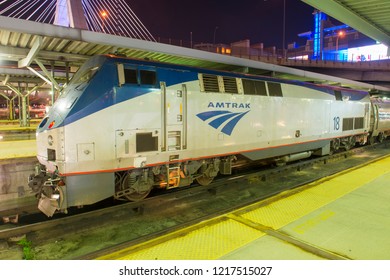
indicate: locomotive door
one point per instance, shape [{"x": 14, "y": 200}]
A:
[
  {"x": 374, "y": 119},
  {"x": 173, "y": 118}
]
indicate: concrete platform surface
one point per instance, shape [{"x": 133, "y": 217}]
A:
[
  {"x": 18, "y": 149},
  {"x": 345, "y": 216}
]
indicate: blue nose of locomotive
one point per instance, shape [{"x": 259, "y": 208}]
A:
[
  {"x": 68, "y": 98},
  {"x": 58, "y": 112}
]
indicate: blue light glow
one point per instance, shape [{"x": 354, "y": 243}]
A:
[{"x": 317, "y": 40}]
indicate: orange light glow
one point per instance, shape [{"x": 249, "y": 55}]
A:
[
  {"x": 52, "y": 124},
  {"x": 104, "y": 14}
]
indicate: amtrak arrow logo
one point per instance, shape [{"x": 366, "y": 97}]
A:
[{"x": 218, "y": 118}]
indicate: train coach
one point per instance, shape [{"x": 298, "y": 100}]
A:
[{"x": 123, "y": 127}]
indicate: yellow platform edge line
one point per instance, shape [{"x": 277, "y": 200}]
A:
[
  {"x": 164, "y": 238},
  {"x": 148, "y": 245}
]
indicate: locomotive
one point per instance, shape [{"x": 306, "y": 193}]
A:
[{"x": 123, "y": 127}]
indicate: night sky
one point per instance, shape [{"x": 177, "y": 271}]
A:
[{"x": 261, "y": 21}]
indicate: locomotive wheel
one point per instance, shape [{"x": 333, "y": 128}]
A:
[
  {"x": 381, "y": 137},
  {"x": 136, "y": 195},
  {"x": 334, "y": 145},
  {"x": 349, "y": 143},
  {"x": 204, "y": 180},
  {"x": 135, "y": 190}
]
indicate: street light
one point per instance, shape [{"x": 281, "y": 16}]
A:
[
  {"x": 103, "y": 14},
  {"x": 340, "y": 34}
]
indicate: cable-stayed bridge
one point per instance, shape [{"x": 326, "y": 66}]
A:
[{"x": 111, "y": 17}]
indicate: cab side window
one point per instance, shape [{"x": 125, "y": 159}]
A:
[
  {"x": 148, "y": 77},
  {"x": 131, "y": 76}
]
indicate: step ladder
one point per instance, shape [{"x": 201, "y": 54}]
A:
[
  {"x": 174, "y": 140},
  {"x": 173, "y": 175}
]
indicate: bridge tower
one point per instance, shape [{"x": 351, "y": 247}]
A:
[{"x": 70, "y": 13}]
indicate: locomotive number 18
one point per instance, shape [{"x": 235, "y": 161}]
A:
[{"x": 336, "y": 123}]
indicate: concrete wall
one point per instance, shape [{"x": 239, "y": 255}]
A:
[{"x": 14, "y": 177}]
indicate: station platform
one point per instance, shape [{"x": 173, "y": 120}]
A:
[
  {"x": 12, "y": 143},
  {"x": 18, "y": 149},
  {"x": 344, "y": 216}
]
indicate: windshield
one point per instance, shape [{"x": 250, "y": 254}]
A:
[
  {"x": 80, "y": 79},
  {"x": 87, "y": 70},
  {"x": 85, "y": 76}
]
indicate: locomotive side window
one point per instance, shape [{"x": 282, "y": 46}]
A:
[
  {"x": 148, "y": 77},
  {"x": 338, "y": 95},
  {"x": 131, "y": 76},
  {"x": 253, "y": 87},
  {"x": 274, "y": 89}
]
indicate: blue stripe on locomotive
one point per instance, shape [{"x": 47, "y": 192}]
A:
[{"x": 101, "y": 91}]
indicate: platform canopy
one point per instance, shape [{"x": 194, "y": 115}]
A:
[
  {"x": 370, "y": 17},
  {"x": 28, "y": 48}
]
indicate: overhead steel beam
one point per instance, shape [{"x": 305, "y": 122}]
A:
[
  {"x": 340, "y": 12},
  {"x": 48, "y": 75},
  {"x": 6, "y": 80},
  {"x": 14, "y": 89},
  {"x": 16, "y": 53},
  {"x": 16, "y": 72},
  {"x": 32, "y": 53},
  {"x": 39, "y": 75}
]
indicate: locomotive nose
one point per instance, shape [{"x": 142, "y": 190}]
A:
[{"x": 52, "y": 120}]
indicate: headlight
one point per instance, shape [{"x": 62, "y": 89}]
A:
[{"x": 50, "y": 140}]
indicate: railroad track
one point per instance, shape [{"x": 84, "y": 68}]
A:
[{"x": 116, "y": 227}]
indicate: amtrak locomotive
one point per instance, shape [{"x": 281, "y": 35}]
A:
[{"x": 123, "y": 127}]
